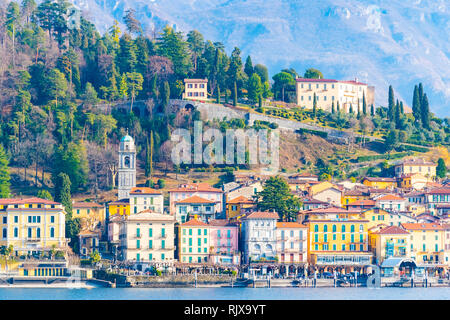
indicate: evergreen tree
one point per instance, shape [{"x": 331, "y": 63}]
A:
[
  {"x": 364, "y": 106},
  {"x": 441, "y": 169},
  {"x": 62, "y": 192},
  {"x": 126, "y": 59},
  {"x": 123, "y": 87},
  {"x": 332, "y": 107},
  {"x": 248, "y": 68},
  {"x": 235, "y": 94},
  {"x": 44, "y": 194},
  {"x": 4, "y": 174},
  {"x": 425, "y": 112},
  {"x": 350, "y": 110},
  {"x": 391, "y": 105},
  {"x": 397, "y": 115},
  {"x": 372, "y": 110},
  {"x": 218, "y": 95},
  {"x": 416, "y": 105},
  {"x": 338, "y": 108},
  {"x": 149, "y": 157},
  {"x": 255, "y": 88},
  {"x": 165, "y": 96},
  {"x": 154, "y": 87},
  {"x": 314, "y": 106}
]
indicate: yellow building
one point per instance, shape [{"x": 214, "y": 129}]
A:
[
  {"x": 238, "y": 206},
  {"x": 425, "y": 168},
  {"x": 120, "y": 207},
  {"x": 328, "y": 91},
  {"x": 193, "y": 242},
  {"x": 413, "y": 180},
  {"x": 379, "y": 182},
  {"x": 338, "y": 243},
  {"x": 32, "y": 225},
  {"x": 378, "y": 216},
  {"x": 195, "y": 89},
  {"x": 91, "y": 214},
  {"x": 389, "y": 241},
  {"x": 426, "y": 242},
  {"x": 354, "y": 195}
]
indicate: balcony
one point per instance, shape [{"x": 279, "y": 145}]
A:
[{"x": 33, "y": 239}]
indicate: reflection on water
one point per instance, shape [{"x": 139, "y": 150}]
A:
[{"x": 226, "y": 294}]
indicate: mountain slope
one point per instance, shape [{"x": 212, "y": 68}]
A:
[{"x": 381, "y": 42}]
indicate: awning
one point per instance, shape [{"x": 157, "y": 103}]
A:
[{"x": 395, "y": 262}]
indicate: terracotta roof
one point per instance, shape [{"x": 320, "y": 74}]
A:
[
  {"x": 391, "y": 230},
  {"x": 263, "y": 215},
  {"x": 390, "y": 197},
  {"x": 240, "y": 199},
  {"x": 422, "y": 226},
  {"x": 444, "y": 190},
  {"x": 86, "y": 205},
  {"x": 330, "y": 210},
  {"x": 362, "y": 203},
  {"x": 380, "y": 179},
  {"x": 356, "y": 192},
  {"x": 196, "y": 199},
  {"x": 144, "y": 190},
  {"x": 195, "y": 187},
  {"x": 222, "y": 223},
  {"x": 194, "y": 223},
  {"x": 290, "y": 225},
  {"x": 32, "y": 200},
  {"x": 196, "y": 80}
]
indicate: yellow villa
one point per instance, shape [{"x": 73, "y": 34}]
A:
[
  {"x": 426, "y": 242},
  {"x": 120, "y": 208},
  {"x": 195, "y": 89},
  {"x": 32, "y": 225},
  {"x": 91, "y": 213},
  {"x": 338, "y": 243},
  {"x": 425, "y": 168},
  {"x": 379, "y": 182},
  {"x": 389, "y": 241},
  {"x": 238, "y": 206},
  {"x": 377, "y": 216},
  {"x": 193, "y": 242}
]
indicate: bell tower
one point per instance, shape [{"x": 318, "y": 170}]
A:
[{"x": 127, "y": 167}]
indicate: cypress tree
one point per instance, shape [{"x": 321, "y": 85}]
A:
[
  {"x": 165, "y": 96},
  {"x": 62, "y": 192},
  {"x": 147, "y": 159},
  {"x": 364, "y": 104},
  {"x": 248, "y": 68},
  {"x": 260, "y": 101},
  {"x": 332, "y": 107},
  {"x": 425, "y": 112},
  {"x": 397, "y": 115},
  {"x": 350, "y": 110},
  {"x": 358, "y": 114},
  {"x": 441, "y": 169},
  {"x": 338, "y": 108},
  {"x": 391, "y": 104},
  {"x": 4, "y": 174},
  {"x": 416, "y": 105},
  {"x": 235, "y": 94},
  {"x": 153, "y": 86},
  {"x": 314, "y": 105},
  {"x": 420, "y": 92},
  {"x": 372, "y": 110},
  {"x": 402, "y": 110}
]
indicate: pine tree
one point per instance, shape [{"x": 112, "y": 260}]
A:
[
  {"x": 4, "y": 174},
  {"x": 425, "y": 112}
]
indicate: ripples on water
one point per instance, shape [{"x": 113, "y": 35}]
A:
[{"x": 226, "y": 294}]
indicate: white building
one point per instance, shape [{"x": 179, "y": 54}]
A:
[
  {"x": 202, "y": 190},
  {"x": 143, "y": 198},
  {"x": 259, "y": 236},
  {"x": 147, "y": 237},
  {"x": 391, "y": 202},
  {"x": 127, "y": 167}
]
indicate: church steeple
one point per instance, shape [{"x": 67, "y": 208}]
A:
[{"x": 127, "y": 166}]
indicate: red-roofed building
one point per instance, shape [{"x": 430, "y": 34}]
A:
[
  {"x": 391, "y": 202},
  {"x": 389, "y": 241},
  {"x": 195, "y": 207},
  {"x": 202, "y": 190},
  {"x": 143, "y": 198},
  {"x": 437, "y": 197},
  {"x": 427, "y": 243},
  {"x": 292, "y": 242},
  {"x": 193, "y": 242},
  {"x": 361, "y": 204}
]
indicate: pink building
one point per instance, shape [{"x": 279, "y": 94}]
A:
[{"x": 223, "y": 240}]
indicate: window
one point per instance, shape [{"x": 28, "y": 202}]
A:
[
  {"x": 5, "y": 219},
  {"x": 16, "y": 219},
  {"x": 138, "y": 244},
  {"x": 150, "y": 244},
  {"x": 16, "y": 232},
  {"x": 163, "y": 256},
  {"x": 352, "y": 228},
  {"x": 52, "y": 232},
  {"x": 334, "y": 228},
  {"x": 199, "y": 232},
  {"x": 163, "y": 244},
  {"x": 325, "y": 228},
  {"x": 5, "y": 232},
  {"x": 52, "y": 219},
  {"x": 205, "y": 232},
  {"x": 343, "y": 228},
  {"x": 150, "y": 257},
  {"x": 150, "y": 232},
  {"x": 29, "y": 233},
  {"x": 316, "y": 228}
]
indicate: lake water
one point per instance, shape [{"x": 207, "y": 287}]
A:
[{"x": 225, "y": 294}]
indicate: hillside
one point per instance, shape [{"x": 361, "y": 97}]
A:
[{"x": 379, "y": 42}]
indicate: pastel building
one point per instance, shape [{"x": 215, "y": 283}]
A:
[
  {"x": 239, "y": 206},
  {"x": 292, "y": 242},
  {"x": 391, "y": 202},
  {"x": 259, "y": 236},
  {"x": 389, "y": 241},
  {"x": 380, "y": 182},
  {"x": 194, "y": 245},
  {"x": 329, "y": 91},
  {"x": 202, "y": 190},
  {"x": 425, "y": 168},
  {"x": 195, "y": 207},
  {"x": 437, "y": 197},
  {"x": 195, "y": 89},
  {"x": 143, "y": 198},
  {"x": 119, "y": 207},
  {"x": 32, "y": 225},
  {"x": 93, "y": 215},
  {"x": 147, "y": 237},
  {"x": 426, "y": 242},
  {"x": 223, "y": 241}
]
